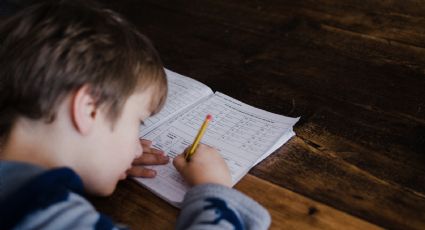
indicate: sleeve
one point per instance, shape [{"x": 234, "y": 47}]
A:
[
  {"x": 73, "y": 213},
  {"x": 213, "y": 206}
]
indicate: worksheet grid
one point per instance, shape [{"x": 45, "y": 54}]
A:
[
  {"x": 174, "y": 144},
  {"x": 234, "y": 128},
  {"x": 170, "y": 142}
]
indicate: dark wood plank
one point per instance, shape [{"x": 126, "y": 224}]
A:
[
  {"x": 324, "y": 176},
  {"x": 290, "y": 210},
  {"x": 377, "y": 65},
  {"x": 354, "y": 72},
  {"x": 138, "y": 208}
]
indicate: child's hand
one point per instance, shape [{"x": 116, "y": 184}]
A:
[
  {"x": 150, "y": 156},
  {"x": 205, "y": 166}
]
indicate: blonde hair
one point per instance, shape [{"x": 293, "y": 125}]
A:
[{"x": 50, "y": 49}]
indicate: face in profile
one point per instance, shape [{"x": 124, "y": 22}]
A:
[{"x": 117, "y": 145}]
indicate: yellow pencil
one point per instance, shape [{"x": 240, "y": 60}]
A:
[{"x": 198, "y": 138}]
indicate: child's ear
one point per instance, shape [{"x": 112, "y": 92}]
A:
[{"x": 83, "y": 109}]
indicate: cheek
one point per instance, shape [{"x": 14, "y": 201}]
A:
[{"x": 130, "y": 144}]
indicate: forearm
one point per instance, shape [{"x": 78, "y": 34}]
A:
[{"x": 213, "y": 206}]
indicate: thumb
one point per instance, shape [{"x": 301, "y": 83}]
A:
[{"x": 179, "y": 162}]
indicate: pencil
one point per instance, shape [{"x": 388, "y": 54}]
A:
[{"x": 198, "y": 138}]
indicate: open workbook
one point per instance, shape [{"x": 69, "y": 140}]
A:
[{"x": 244, "y": 135}]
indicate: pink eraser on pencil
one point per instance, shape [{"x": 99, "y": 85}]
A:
[{"x": 209, "y": 117}]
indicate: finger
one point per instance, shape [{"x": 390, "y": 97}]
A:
[
  {"x": 187, "y": 149},
  {"x": 138, "y": 171},
  {"x": 179, "y": 162},
  {"x": 147, "y": 147},
  {"x": 151, "y": 159},
  {"x": 145, "y": 143},
  {"x": 156, "y": 151},
  {"x": 208, "y": 146},
  {"x": 204, "y": 147}
]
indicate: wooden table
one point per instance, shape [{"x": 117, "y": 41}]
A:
[{"x": 353, "y": 70}]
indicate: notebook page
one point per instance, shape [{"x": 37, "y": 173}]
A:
[
  {"x": 282, "y": 140},
  {"x": 243, "y": 135},
  {"x": 182, "y": 92}
]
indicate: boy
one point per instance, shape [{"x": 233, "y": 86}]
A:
[{"x": 75, "y": 83}]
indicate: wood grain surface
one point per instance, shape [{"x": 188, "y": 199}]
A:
[{"x": 353, "y": 70}]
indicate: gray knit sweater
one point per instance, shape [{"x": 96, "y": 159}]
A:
[{"x": 33, "y": 198}]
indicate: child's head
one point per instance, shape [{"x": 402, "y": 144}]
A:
[{"x": 85, "y": 62}]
